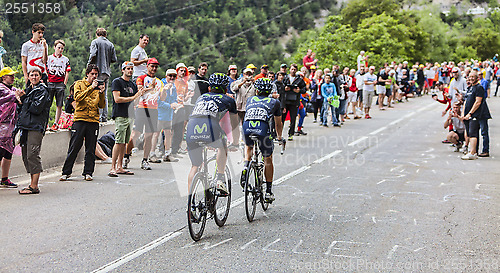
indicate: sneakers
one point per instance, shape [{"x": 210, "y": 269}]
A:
[
  {"x": 8, "y": 184},
  {"x": 269, "y": 197},
  {"x": 221, "y": 185},
  {"x": 314, "y": 121},
  {"x": 126, "y": 161},
  {"x": 88, "y": 177},
  {"x": 145, "y": 165},
  {"x": 154, "y": 159},
  {"x": 243, "y": 178},
  {"x": 337, "y": 125},
  {"x": 466, "y": 150},
  {"x": 367, "y": 116},
  {"x": 469, "y": 156},
  {"x": 169, "y": 158},
  {"x": 54, "y": 127},
  {"x": 301, "y": 133},
  {"x": 484, "y": 155},
  {"x": 290, "y": 138},
  {"x": 64, "y": 177}
]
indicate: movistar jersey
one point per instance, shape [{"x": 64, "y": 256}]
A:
[
  {"x": 259, "y": 111},
  {"x": 203, "y": 124}
]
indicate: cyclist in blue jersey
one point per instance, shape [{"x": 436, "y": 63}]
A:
[
  {"x": 203, "y": 127},
  {"x": 260, "y": 110}
]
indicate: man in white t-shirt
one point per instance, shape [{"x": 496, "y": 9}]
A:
[
  {"x": 139, "y": 57},
  {"x": 361, "y": 59},
  {"x": 34, "y": 53},
  {"x": 58, "y": 69},
  {"x": 370, "y": 80}
]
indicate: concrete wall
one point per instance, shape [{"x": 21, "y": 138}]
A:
[{"x": 54, "y": 148}]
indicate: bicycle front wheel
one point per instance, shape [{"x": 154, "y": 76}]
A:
[
  {"x": 251, "y": 189},
  {"x": 197, "y": 206},
  {"x": 223, "y": 202}
]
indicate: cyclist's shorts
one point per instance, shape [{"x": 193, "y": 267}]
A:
[
  {"x": 198, "y": 133},
  {"x": 265, "y": 142}
]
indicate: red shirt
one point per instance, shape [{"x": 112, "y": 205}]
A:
[{"x": 307, "y": 59}]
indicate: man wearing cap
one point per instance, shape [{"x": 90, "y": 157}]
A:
[
  {"x": 458, "y": 85},
  {"x": 146, "y": 115},
  {"x": 124, "y": 93},
  {"x": 244, "y": 89},
  {"x": 167, "y": 104},
  {"x": 264, "y": 70},
  {"x": 283, "y": 68},
  {"x": 232, "y": 73},
  {"x": 139, "y": 57},
  {"x": 8, "y": 115},
  {"x": 102, "y": 53}
]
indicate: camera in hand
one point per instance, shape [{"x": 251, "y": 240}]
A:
[{"x": 100, "y": 82}]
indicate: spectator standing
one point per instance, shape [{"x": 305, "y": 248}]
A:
[
  {"x": 33, "y": 116},
  {"x": 146, "y": 115},
  {"x": 328, "y": 91},
  {"x": 89, "y": 98},
  {"x": 362, "y": 60},
  {"x": 9, "y": 95},
  {"x": 458, "y": 85},
  {"x": 294, "y": 87},
  {"x": 34, "y": 53},
  {"x": 352, "y": 94},
  {"x": 167, "y": 104},
  {"x": 382, "y": 78},
  {"x": 58, "y": 69},
  {"x": 2, "y": 50},
  {"x": 244, "y": 89},
  {"x": 139, "y": 57},
  {"x": 284, "y": 68},
  {"x": 264, "y": 70},
  {"x": 360, "y": 82},
  {"x": 370, "y": 81},
  {"x": 475, "y": 110},
  {"x": 309, "y": 60},
  {"x": 124, "y": 94},
  {"x": 316, "y": 98},
  {"x": 232, "y": 73},
  {"x": 102, "y": 54}
]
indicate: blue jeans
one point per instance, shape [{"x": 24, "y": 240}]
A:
[
  {"x": 302, "y": 116},
  {"x": 483, "y": 124},
  {"x": 324, "y": 111}
]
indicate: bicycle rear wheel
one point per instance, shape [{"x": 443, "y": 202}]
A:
[
  {"x": 197, "y": 206},
  {"x": 223, "y": 202},
  {"x": 264, "y": 204},
  {"x": 251, "y": 192}
]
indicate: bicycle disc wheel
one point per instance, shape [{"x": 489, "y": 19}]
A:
[
  {"x": 250, "y": 193},
  {"x": 223, "y": 202},
  {"x": 197, "y": 207}
]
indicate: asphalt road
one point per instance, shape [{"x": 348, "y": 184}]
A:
[{"x": 375, "y": 195}]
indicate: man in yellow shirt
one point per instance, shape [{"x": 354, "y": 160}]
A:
[{"x": 89, "y": 98}]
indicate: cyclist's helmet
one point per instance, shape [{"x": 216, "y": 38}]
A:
[
  {"x": 264, "y": 86},
  {"x": 218, "y": 82}
]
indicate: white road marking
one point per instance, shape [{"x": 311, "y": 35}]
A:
[
  {"x": 138, "y": 252},
  {"x": 359, "y": 140},
  {"x": 381, "y": 181},
  {"x": 148, "y": 247},
  {"x": 326, "y": 157},
  {"x": 247, "y": 244},
  {"x": 378, "y": 130}
]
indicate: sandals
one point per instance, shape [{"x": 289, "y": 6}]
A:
[
  {"x": 29, "y": 190},
  {"x": 112, "y": 174},
  {"x": 125, "y": 172}
]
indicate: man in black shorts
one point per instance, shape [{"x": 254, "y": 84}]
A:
[
  {"x": 203, "y": 127},
  {"x": 475, "y": 110},
  {"x": 260, "y": 110}
]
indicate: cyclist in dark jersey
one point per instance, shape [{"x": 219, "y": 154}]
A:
[
  {"x": 203, "y": 127},
  {"x": 260, "y": 110}
]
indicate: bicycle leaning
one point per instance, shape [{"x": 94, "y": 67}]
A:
[{"x": 204, "y": 201}]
